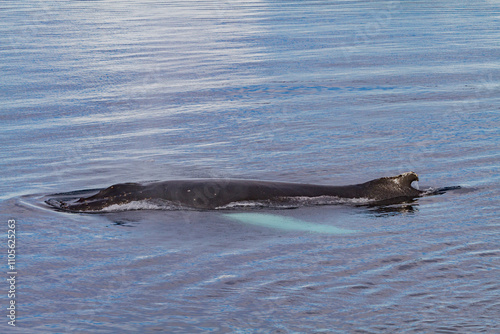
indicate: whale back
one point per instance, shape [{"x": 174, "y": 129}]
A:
[{"x": 211, "y": 194}]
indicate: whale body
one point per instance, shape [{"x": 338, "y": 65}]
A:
[{"x": 207, "y": 194}]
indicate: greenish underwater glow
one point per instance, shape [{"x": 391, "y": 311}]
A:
[{"x": 285, "y": 223}]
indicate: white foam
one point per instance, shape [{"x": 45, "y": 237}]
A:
[
  {"x": 243, "y": 204},
  {"x": 141, "y": 205},
  {"x": 326, "y": 200},
  {"x": 294, "y": 202},
  {"x": 283, "y": 203},
  {"x": 430, "y": 191}
]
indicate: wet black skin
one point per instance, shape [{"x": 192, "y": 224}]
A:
[{"x": 213, "y": 193}]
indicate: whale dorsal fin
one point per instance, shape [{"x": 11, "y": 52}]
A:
[{"x": 405, "y": 179}]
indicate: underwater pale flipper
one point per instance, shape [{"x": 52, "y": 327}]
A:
[{"x": 285, "y": 223}]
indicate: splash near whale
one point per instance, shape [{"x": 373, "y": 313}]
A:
[{"x": 210, "y": 194}]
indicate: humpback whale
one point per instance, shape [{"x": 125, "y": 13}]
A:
[{"x": 208, "y": 194}]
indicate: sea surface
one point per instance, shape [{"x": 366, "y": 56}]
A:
[{"x": 94, "y": 93}]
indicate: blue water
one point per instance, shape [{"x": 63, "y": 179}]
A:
[{"x": 94, "y": 93}]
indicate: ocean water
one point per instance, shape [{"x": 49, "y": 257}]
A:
[{"x": 94, "y": 93}]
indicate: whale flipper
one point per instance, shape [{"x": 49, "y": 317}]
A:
[{"x": 285, "y": 223}]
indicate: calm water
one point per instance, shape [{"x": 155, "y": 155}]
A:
[{"x": 336, "y": 92}]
